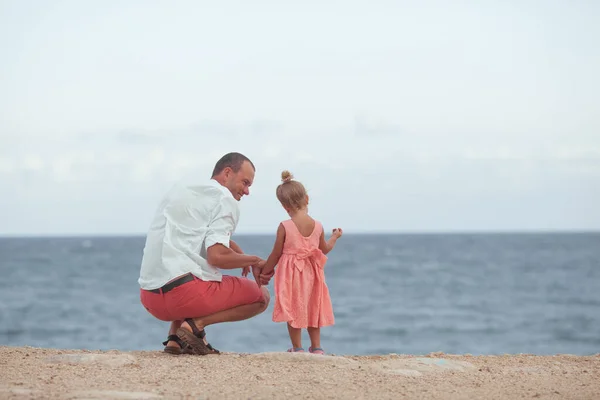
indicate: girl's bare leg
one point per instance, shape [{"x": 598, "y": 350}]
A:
[
  {"x": 315, "y": 337},
  {"x": 295, "y": 336}
]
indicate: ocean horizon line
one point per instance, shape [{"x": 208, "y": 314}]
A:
[{"x": 89, "y": 235}]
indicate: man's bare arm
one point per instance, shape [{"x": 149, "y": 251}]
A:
[
  {"x": 235, "y": 247},
  {"x": 225, "y": 258}
]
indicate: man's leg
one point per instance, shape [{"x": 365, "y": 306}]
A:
[
  {"x": 232, "y": 299},
  {"x": 238, "y": 313},
  {"x": 173, "y": 331}
]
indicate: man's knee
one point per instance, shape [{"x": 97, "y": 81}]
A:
[{"x": 266, "y": 297}]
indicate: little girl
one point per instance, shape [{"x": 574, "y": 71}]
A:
[{"x": 301, "y": 294}]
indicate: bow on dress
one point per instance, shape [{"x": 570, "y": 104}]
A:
[{"x": 315, "y": 255}]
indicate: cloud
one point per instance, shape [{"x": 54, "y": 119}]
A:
[
  {"x": 199, "y": 131},
  {"x": 7, "y": 165},
  {"x": 404, "y": 176},
  {"x": 366, "y": 127},
  {"x": 145, "y": 156},
  {"x": 141, "y": 137}
]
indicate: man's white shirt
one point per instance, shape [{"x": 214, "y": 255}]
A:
[{"x": 189, "y": 219}]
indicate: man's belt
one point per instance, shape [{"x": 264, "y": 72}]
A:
[{"x": 173, "y": 284}]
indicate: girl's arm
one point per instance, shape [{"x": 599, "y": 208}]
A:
[
  {"x": 327, "y": 246},
  {"x": 273, "y": 259}
]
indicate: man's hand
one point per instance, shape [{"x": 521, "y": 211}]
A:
[
  {"x": 235, "y": 247},
  {"x": 256, "y": 273},
  {"x": 245, "y": 271},
  {"x": 256, "y": 270}
]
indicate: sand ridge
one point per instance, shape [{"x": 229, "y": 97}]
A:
[{"x": 38, "y": 373}]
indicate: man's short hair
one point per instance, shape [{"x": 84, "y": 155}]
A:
[{"x": 231, "y": 160}]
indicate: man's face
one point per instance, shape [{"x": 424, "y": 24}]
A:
[{"x": 239, "y": 183}]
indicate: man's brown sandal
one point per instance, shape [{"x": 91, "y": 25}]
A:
[
  {"x": 194, "y": 340},
  {"x": 181, "y": 349}
]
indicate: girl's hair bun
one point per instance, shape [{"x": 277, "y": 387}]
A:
[{"x": 286, "y": 176}]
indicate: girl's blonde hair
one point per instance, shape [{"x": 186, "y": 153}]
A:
[{"x": 291, "y": 193}]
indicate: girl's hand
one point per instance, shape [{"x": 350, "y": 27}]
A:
[
  {"x": 259, "y": 264},
  {"x": 265, "y": 278},
  {"x": 337, "y": 233}
]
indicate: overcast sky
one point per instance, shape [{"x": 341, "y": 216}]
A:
[{"x": 409, "y": 116}]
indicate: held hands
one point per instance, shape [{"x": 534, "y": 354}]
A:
[
  {"x": 266, "y": 277},
  {"x": 256, "y": 269},
  {"x": 260, "y": 277},
  {"x": 246, "y": 270}
]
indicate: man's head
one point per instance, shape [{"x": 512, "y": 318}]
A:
[{"x": 236, "y": 172}]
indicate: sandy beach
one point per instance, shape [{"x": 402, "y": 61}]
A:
[{"x": 37, "y": 373}]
